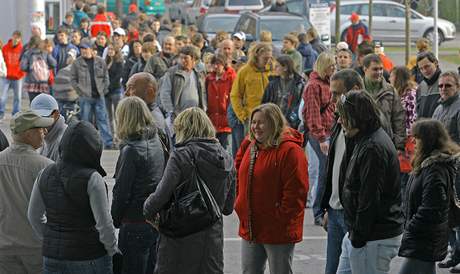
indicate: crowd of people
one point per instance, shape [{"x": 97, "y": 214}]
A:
[{"x": 382, "y": 144}]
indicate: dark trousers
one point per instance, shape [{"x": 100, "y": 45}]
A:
[
  {"x": 138, "y": 244},
  {"x": 322, "y": 158},
  {"x": 223, "y": 139}
]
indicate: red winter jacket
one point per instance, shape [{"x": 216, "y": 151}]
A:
[
  {"x": 219, "y": 97},
  {"x": 100, "y": 23},
  {"x": 318, "y": 110},
  {"x": 12, "y": 54},
  {"x": 271, "y": 206}
]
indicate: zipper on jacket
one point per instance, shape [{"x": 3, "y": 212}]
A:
[{"x": 248, "y": 190}]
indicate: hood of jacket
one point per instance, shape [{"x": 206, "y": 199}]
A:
[
  {"x": 292, "y": 135},
  {"x": 210, "y": 157},
  {"x": 81, "y": 145},
  {"x": 438, "y": 157},
  {"x": 149, "y": 133}
]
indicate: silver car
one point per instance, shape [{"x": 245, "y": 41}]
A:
[{"x": 388, "y": 23}]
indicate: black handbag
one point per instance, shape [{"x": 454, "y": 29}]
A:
[{"x": 191, "y": 209}]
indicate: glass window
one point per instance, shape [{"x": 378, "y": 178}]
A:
[
  {"x": 215, "y": 24},
  {"x": 247, "y": 25},
  {"x": 296, "y": 6},
  {"x": 377, "y": 10},
  {"x": 52, "y": 17},
  {"x": 395, "y": 11},
  {"x": 280, "y": 27},
  {"x": 348, "y": 9},
  {"x": 245, "y": 2}
]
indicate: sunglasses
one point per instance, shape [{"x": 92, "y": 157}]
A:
[{"x": 445, "y": 86}]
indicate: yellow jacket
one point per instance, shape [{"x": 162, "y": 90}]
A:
[{"x": 248, "y": 90}]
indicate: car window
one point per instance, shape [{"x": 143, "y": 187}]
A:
[
  {"x": 215, "y": 24},
  {"x": 247, "y": 25},
  {"x": 217, "y": 3},
  {"x": 244, "y": 2},
  {"x": 377, "y": 10},
  {"x": 395, "y": 11},
  {"x": 280, "y": 27},
  {"x": 295, "y": 6},
  {"x": 348, "y": 9}
]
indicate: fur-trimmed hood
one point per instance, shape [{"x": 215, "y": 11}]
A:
[{"x": 440, "y": 157}]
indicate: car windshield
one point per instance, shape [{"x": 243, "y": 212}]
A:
[
  {"x": 244, "y": 2},
  {"x": 280, "y": 27},
  {"x": 216, "y": 24}
]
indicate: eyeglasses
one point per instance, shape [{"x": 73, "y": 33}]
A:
[{"x": 441, "y": 86}]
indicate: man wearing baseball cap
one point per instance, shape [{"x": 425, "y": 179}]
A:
[
  {"x": 239, "y": 38},
  {"x": 20, "y": 248},
  {"x": 46, "y": 106}
]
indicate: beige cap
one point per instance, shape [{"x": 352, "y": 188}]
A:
[{"x": 25, "y": 120}]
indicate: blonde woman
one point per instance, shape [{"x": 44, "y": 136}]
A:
[
  {"x": 318, "y": 113},
  {"x": 201, "y": 252},
  {"x": 250, "y": 83},
  {"x": 271, "y": 218},
  {"x": 138, "y": 171}
]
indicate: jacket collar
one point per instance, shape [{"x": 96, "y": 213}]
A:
[
  {"x": 449, "y": 100},
  {"x": 439, "y": 157}
]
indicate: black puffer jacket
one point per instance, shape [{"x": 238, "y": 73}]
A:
[
  {"x": 371, "y": 195},
  {"x": 426, "y": 230},
  {"x": 201, "y": 252},
  {"x": 138, "y": 171}
]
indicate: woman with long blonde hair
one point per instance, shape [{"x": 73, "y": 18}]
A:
[
  {"x": 197, "y": 152},
  {"x": 318, "y": 113},
  {"x": 138, "y": 171}
]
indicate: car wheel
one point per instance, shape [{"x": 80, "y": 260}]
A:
[{"x": 429, "y": 34}]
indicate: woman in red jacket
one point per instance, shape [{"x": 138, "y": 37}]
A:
[
  {"x": 271, "y": 193},
  {"x": 218, "y": 85}
]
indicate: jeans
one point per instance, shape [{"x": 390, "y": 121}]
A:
[
  {"x": 21, "y": 264},
  {"x": 237, "y": 138},
  {"x": 88, "y": 106},
  {"x": 411, "y": 266},
  {"x": 375, "y": 257},
  {"x": 336, "y": 230},
  {"x": 16, "y": 85},
  {"x": 254, "y": 257},
  {"x": 313, "y": 168},
  {"x": 138, "y": 244},
  {"x": 101, "y": 265},
  {"x": 322, "y": 158},
  {"x": 111, "y": 104},
  {"x": 223, "y": 139}
]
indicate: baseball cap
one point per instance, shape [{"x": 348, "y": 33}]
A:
[
  {"x": 342, "y": 45},
  {"x": 240, "y": 35},
  {"x": 354, "y": 16},
  {"x": 25, "y": 120},
  {"x": 85, "y": 43},
  {"x": 44, "y": 105},
  {"x": 119, "y": 31}
]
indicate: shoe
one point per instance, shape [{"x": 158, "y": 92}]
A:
[
  {"x": 319, "y": 221},
  {"x": 455, "y": 269},
  {"x": 447, "y": 264}
]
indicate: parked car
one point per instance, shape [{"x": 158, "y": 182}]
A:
[
  {"x": 211, "y": 23},
  {"x": 235, "y": 5},
  {"x": 278, "y": 23},
  {"x": 388, "y": 21}
]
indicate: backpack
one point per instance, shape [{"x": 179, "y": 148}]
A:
[{"x": 39, "y": 68}]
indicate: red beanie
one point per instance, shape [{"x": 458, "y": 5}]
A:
[
  {"x": 354, "y": 17},
  {"x": 132, "y": 8}
]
